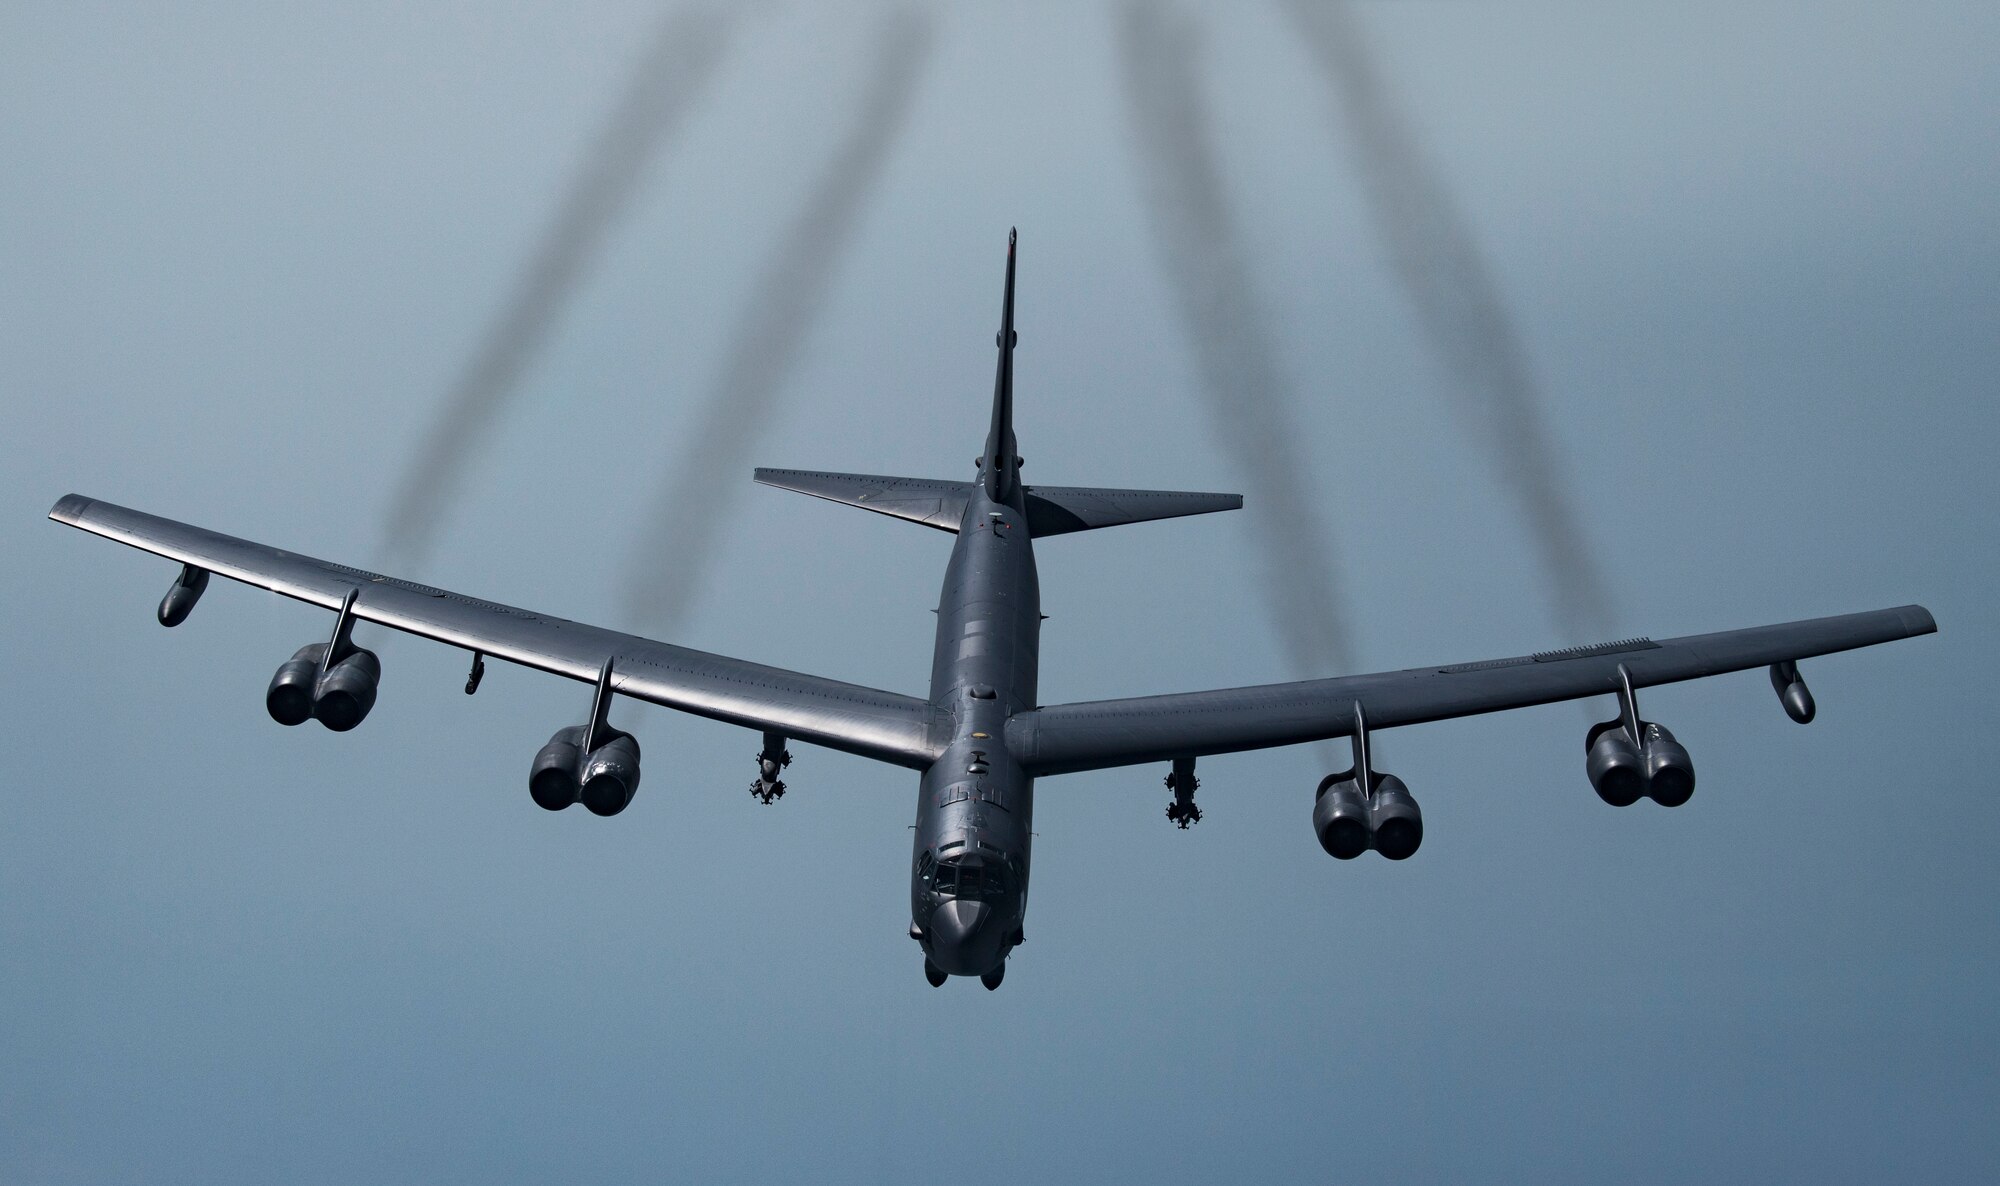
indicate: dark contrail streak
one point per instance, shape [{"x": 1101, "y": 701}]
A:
[
  {"x": 1459, "y": 306},
  {"x": 675, "y": 67},
  {"x": 767, "y": 340},
  {"x": 1249, "y": 400}
]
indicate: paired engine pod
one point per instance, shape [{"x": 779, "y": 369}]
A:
[
  {"x": 603, "y": 780},
  {"x": 1340, "y": 817},
  {"x": 1395, "y": 819},
  {"x": 340, "y": 699}
]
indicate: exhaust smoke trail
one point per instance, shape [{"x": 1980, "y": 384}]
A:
[
  {"x": 1459, "y": 306},
  {"x": 677, "y": 64},
  {"x": 1249, "y": 400},
  {"x": 767, "y": 340}
]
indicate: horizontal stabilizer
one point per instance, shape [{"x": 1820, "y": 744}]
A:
[
  {"x": 1055, "y": 510},
  {"x": 1052, "y": 510},
  {"x": 920, "y": 500}
]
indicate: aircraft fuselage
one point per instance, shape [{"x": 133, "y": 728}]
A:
[{"x": 969, "y": 883}]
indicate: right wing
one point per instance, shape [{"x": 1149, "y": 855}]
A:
[
  {"x": 874, "y": 724},
  {"x": 1092, "y": 736}
]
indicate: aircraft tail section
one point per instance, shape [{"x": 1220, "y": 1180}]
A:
[
  {"x": 999, "y": 462},
  {"x": 1052, "y": 510}
]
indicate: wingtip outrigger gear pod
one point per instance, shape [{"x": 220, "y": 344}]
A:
[
  {"x": 1792, "y": 692},
  {"x": 182, "y": 594}
]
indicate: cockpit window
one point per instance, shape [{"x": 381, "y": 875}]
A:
[{"x": 972, "y": 879}]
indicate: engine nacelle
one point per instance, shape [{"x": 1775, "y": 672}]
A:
[
  {"x": 1394, "y": 819},
  {"x": 1616, "y": 773},
  {"x": 1621, "y": 773},
  {"x": 289, "y": 699},
  {"x": 603, "y": 780},
  {"x": 1349, "y": 823},
  {"x": 1340, "y": 817},
  {"x": 1669, "y": 770},
  {"x": 340, "y": 699},
  {"x": 611, "y": 775},
  {"x": 347, "y": 691}
]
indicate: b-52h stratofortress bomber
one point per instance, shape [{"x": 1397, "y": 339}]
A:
[{"x": 982, "y": 737}]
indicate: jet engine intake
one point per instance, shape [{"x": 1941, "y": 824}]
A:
[
  {"x": 1616, "y": 773},
  {"x": 1363, "y": 808},
  {"x": 1349, "y": 823},
  {"x": 347, "y": 691},
  {"x": 1669, "y": 770},
  {"x": 1627, "y": 757},
  {"x": 593, "y": 764},
  {"x": 289, "y": 699},
  {"x": 1340, "y": 817},
  {"x": 339, "y": 697},
  {"x": 1622, "y": 773},
  {"x": 1394, "y": 820}
]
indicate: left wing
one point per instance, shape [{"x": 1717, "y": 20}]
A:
[
  {"x": 874, "y": 724},
  {"x": 1092, "y": 736}
]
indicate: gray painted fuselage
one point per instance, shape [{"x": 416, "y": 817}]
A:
[{"x": 977, "y": 806}]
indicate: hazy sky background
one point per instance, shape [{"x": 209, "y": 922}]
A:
[{"x": 244, "y": 250}]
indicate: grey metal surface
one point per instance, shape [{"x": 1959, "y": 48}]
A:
[
  {"x": 1058, "y": 510},
  {"x": 1098, "y": 734},
  {"x": 874, "y": 724},
  {"x": 1051, "y": 510},
  {"x": 919, "y": 500}
]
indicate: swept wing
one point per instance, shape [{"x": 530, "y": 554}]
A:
[
  {"x": 1091, "y": 736},
  {"x": 874, "y": 724}
]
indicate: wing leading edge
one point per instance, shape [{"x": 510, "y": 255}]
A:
[
  {"x": 1092, "y": 736},
  {"x": 875, "y": 724}
]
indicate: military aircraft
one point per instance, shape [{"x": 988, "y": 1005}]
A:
[{"x": 982, "y": 736}]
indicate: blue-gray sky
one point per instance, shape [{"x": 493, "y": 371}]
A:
[{"x": 1751, "y": 250}]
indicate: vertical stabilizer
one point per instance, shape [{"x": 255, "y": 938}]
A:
[{"x": 1000, "y": 463}]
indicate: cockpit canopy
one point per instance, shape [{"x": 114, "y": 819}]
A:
[{"x": 968, "y": 876}]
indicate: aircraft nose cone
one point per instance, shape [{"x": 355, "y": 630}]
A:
[{"x": 964, "y": 938}]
